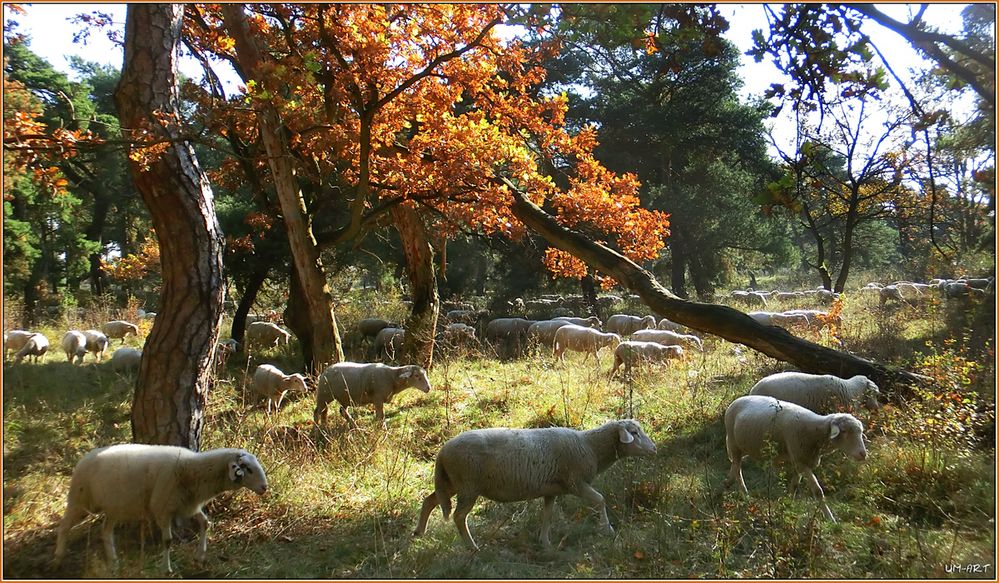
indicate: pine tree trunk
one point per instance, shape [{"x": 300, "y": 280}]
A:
[
  {"x": 422, "y": 322},
  {"x": 323, "y": 336},
  {"x": 173, "y": 383},
  {"x": 723, "y": 321}
]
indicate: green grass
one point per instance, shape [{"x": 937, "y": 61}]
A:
[{"x": 343, "y": 504}]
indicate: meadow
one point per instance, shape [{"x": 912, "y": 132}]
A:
[{"x": 343, "y": 504}]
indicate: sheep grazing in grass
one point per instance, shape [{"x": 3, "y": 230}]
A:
[
  {"x": 14, "y": 341},
  {"x": 459, "y": 336},
  {"x": 631, "y": 352},
  {"x": 667, "y": 324},
  {"x": 590, "y": 321},
  {"x": 625, "y": 325},
  {"x": 820, "y": 393},
  {"x": 34, "y": 347},
  {"x": 669, "y": 338},
  {"x": 97, "y": 343},
  {"x": 800, "y": 436},
  {"x": 157, "y": 483},
  {"x": 119, "y": 329},
  {"x": 542, "y": 333},
  {"x": 271, "y": 383},
  {"x": 354, "y": 383},
  {"x": 388, "y": 342},
  {"x": 265, "y": 335},
  {"x": 74, "y": 343},
  {"x": 510, "y": 465},
  {"x": 583, "y": 339},
  {"x": 126, "y": 358},
  {"x": 368, "y": 328},
  {"x": 508, "y": 336}
]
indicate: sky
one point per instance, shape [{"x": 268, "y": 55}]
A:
[{"x": 51, "y": 33}]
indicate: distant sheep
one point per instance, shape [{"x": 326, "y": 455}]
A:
[
  {"x": 459, "y": 336},
  {"x": 265, "y": 335},
  {"x": 388, "y": 342},
  {"x": 583, "y": 339},
  {"x": 508, "y": 336},
  {"x": 668, "y": 337},
  {"x": 370, "y": 327},
  {"x": 97, "y": 343},
  {"x": 800, "y": 435},
  {"x": 625, "y": 325},
  {"x": 667, "y": 324},
  {"x": 14, "y": 341},
  {"x": 74, "y": 344},
  {"x": 631, "y": 352},
  {"x": 542, "y": 332},
  {"x": 590, "y": 322},
  {"x": 353, "y": 383},
  {"x": 126, "y": 358},
  {"x": 119, "y": 329},
  {"x": 509, "y": 465},
  {"x": 820, "y": 393},
  {"x": 35, "y": 347},
  {"x": 156, "y": 483},
  {"x": 271, "y": 383}
]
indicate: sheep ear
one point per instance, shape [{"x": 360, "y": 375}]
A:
[
  {"x": 406, "y": 373},
  {"x": 833, "y": 430},
  {"x": 624, "y": 435}
]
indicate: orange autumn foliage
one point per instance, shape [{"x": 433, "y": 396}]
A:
[{"x": 428, "y": 104}]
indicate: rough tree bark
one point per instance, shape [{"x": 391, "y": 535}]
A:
[
  {"x": 323, "y": 336},
  {"x": 422, "y": 322},
  {"x": 173, "y": 382},
  {"x": 723, "y": 321}
]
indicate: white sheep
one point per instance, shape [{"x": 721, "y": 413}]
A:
[
  {"x": 270, "y": 382},
  {"x": 74, "y": 343},
  {"x": 265, "y": 335},
  {"x": 387, "y": 343},
  {"x": 590, "y": 321},
  {"x": 126, "y": 358},
  {"x": 508, "y": 335},
  {"x": 890, "y": 292},
  {"x": 668, "y": 337},
  {"x": 542, "y": 332},
  {"x": 119, "y": 329},
  {"x": 35, "y": 346},
  {"x": 800, "y": 435},
  {"x": 625, "y": 325},
  {"x": 97, "y": 343},
  {"x": 510, "y": 465},
  {"x": 667, "y": 324},
  {"x": 137, "y": 482},
  {"x": 630, "y": 352},
  {"x": 820, "y": 393},
  {"x": 14, "y": 341},
  {"x": 354, "y": 383},
  {"x": 583, "y": 339},
  {"x": 764, "y": 318}
]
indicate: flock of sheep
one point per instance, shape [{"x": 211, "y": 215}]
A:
[{"x": 800, "y": 416}]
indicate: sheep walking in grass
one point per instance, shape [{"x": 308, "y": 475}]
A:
[
  {"x": 14, "y": 341},
  {"x": 126, "y": 358},
  {"x": 820, "y": 393},
  {"x": 800, "y": 436},
  {"x": 583, "y": 339},
  {"x": 625, "y": 325},
  {"x": 669, "y": 338},
  {"x": 119, "y": 329},
  {"x": 97, "y": 343},
  {"x": 631, "y": 352},
  {"x": 510, "y": 465},
  {"x": 35, "y": 347},
  {"x": 265, "y": 335},
  {"x": 353, "y": 383},
  {"x": 157, "y": 483}
]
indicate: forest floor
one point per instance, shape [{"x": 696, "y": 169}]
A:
[{"x": 343, "y": 504}]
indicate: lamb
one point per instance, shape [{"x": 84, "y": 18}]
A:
[
  {"x": 820, "y": 393},
  {"x": 75, "y": 345},
  {"x": 270, "y": 382},
  {"x": 625, "y": 325},
  {"x": 97, "y": 343},
  {"x": 387, "y": 342},
  {"x": 36, "y": 346},
  {"x": 510, "y": 465},
  {"x": 119, "y": 329},
  {"x": 799, "y": 434},
  {"x": 630, "y": 352},
  {"x": 126, "y": 358},
  {"x": 137, "y": 482},
  {"x": 265, "y": 335},
  {"x": 354, "y": 383},
  {"x": 591, "y": 321},
  {"x": 509, "y": 335},
  {"x": 14, "y": 341},
  {"x": 668, "y": 338},
  {"x": 583, "y": 339}
]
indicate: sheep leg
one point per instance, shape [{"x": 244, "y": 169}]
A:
[
  {"x": 462, "y": 508},
  {"x": 319, "y": 415},
  {"x": 107, "y": 534},
  {"x": 165, "y": 529},
  {"x": 596, "y": 499},
  {"x": 735, "y": 471},
  {"x": 346, "y": 415},
  {"x": 380, "y": 414},
  {"x": 203, "y": 524},
  {"x": 813, "y": 484},
  {"x": 74, "y": 514},
  {"x": 546, "y": 520}
]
